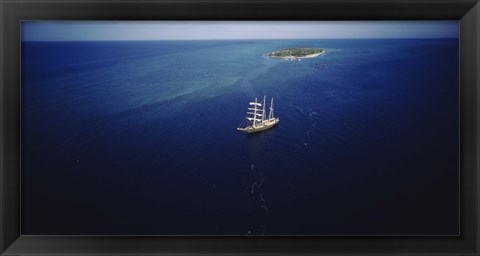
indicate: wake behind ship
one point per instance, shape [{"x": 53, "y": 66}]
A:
[{"x": 256, "y": 120}]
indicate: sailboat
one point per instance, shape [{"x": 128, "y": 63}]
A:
[{"x": 256, "y": 119}]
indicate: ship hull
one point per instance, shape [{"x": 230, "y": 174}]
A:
[{"x": 264, "y": 127}]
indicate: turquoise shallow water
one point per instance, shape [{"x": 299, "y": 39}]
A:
[{"x": 140, "y": 138}]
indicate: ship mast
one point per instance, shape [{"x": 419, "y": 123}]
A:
[
  {"x": 255, "y": 114},
  {"x": 270, "y": 116},
  {"x": 263, "y": 111}
]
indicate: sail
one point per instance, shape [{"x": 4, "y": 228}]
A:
[
  {"x": 255, "y": 103},
  {"x": 251, "y": 119},
  {"x": 252, "y": 113}
]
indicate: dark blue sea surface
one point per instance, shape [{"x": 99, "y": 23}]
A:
[{"x": 139, "y": 138}]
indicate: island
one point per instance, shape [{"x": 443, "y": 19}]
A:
[{"x": 297, "y": 53}]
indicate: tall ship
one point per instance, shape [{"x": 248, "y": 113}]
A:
[{"x": 256, "y": 119}]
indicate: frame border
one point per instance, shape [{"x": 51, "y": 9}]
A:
[{"x": 13, "y": 11}]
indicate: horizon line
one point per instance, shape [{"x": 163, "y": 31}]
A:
[{"x": 232, "y": 39}]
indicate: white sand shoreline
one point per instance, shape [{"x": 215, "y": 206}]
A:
[{"x": 294, "y": 57}]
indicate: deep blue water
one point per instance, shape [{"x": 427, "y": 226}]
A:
[{"x": 140, "y": 138}]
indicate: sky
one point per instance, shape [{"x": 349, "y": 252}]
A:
[{"x": 214, "y": 30}]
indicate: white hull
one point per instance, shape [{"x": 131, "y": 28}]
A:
[{"x": 267, "y": 124}]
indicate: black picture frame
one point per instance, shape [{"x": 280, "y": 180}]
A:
[{"x": 14, "y": 11}]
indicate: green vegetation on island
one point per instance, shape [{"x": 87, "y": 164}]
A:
[{"x": 296, "y": 53}]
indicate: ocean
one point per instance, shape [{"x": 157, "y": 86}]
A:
[{"x": 139, "y": 138}]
